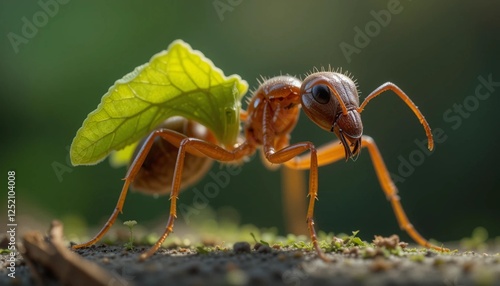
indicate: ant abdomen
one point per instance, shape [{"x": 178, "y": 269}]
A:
[{"x": 156, "y": 174}]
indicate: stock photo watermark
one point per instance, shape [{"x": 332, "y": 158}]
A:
[
  {"x": 201, "y": 199},
  {"x": 454, "y": 116},
  {"x": 223, "y": 6},
  {"x": 61, "y": 168},
  {"x": 10, "y": 261},
  {"x": 363, "y": 36},
  {"x": 31, "y": 25}
]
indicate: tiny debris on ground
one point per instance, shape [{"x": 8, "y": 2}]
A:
[
  {"x": 390, "y": 242},
  {"x": 386, "y": 261}
]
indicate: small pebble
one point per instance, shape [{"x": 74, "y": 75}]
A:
[
  {"x": 337, "y": 240},
  {"x": 241, "y": 247},
  {"x": 430, "y": 254},
  {"x": 370, "y": 252},
  {"x": 183, "y": 250},
  {"x": 388, "y": 242},
  {"x": 403, "y": 244},
  {"x": 257, "y": 246},
  {"x": 354, "y": 251},
  {"x": 264, "y": 249}
]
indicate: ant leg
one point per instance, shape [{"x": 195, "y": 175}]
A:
[
  {"x": 391, "y": 193},
  {"x": 111, "y": 220},
  {"x": 192, "y": 145},
  {"x": 327, "y": 154},
  {"x": 333, "y": 152},
  {"x": 294, "y": 206},
  {"x": 288, "y": 153},
  {"x": 129, "y": 178},
  {"x": 390, "y": 86}
]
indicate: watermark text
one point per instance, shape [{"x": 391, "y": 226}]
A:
[
  {"x": 31, "y": 25},
  {"x": 11, "y": 223},
  {"x": 454, "y": 116}
]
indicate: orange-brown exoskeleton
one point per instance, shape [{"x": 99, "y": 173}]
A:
[
  {"x": 329, "y": 99},
  {"x": 156, "y": 173}
]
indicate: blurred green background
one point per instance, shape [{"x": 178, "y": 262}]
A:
[{"x": 435, "y": 51}]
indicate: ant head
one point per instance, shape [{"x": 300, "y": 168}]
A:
[{"x": 331, "y": 101}]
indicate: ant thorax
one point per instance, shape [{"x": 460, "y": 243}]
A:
[{"x": 276, "y": 101}]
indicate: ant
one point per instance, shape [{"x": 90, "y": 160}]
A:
[{"x": 330, "y": 99}]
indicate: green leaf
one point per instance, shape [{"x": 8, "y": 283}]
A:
[
  {"x": 124, "y": 156},
  {"x": 176, "y": 82}
]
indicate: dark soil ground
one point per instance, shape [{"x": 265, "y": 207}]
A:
[{"x": 244, "y": 265}]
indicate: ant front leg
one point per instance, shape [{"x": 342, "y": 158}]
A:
[
  {"x": 287, "y": 154},
  {"x": 334, "y": 151}
]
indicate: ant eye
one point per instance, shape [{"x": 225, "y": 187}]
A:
[{"x": 321, "y": 93}]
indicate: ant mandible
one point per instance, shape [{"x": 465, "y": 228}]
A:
[{"x": 329, "y": 99}]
